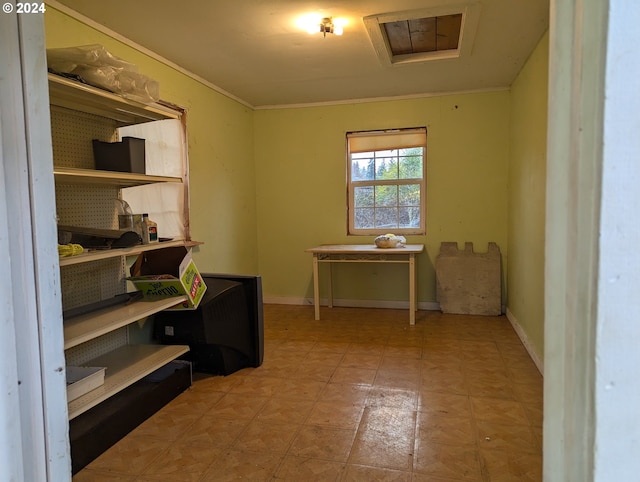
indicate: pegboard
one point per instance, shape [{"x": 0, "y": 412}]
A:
[
  {"x": 80, "y": 354},
  {"x": 87, "y": 283},
  {"x": 71, "y": 135},
  {"x": 87, "y": 206}
]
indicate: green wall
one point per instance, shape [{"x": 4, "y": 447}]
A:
[
  {"x": 527, "y": 194},
  {"x": 301, "y": 188},
  {"x": 267, "y": 184},
  {"x": 220, "y": 142}
]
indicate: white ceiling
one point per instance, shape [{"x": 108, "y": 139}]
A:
[{"x": 254, "y": 50}]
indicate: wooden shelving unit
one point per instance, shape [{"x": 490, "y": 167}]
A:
[
  {"x": 75, "y": 95},
  {"x": 112, "y": 178},
  {"x": 80, "y": 329},
  {"x": 91, "y": 335},
  {"x": 98, "y": 254},
  {"x": 125, "y": 366}
]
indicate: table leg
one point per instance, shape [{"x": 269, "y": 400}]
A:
[
  {"x": 330, "y": 287},
  {"x": 412, "y": 289},
  {"x": 316, "y": 288}
]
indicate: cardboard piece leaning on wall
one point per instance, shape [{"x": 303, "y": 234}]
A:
[{"x": 169, "y": 272}]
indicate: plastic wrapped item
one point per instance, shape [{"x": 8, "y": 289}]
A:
[
  {"x": 390, "y": 241},
  {"x": 96, "y": 66}
]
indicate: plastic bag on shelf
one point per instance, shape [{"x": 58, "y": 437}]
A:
[{"x": 96, "y": 66}]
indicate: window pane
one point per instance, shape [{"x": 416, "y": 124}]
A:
[
  {"x": 362, "y": 166},
  {"x": 386, "y": 195},
  {"x": 409, "y": 217},
  {"x": 409, "y": 195},
  {"x": 364, "y": 218},
  {"x": 363, "y": 196},
  {"x": 386, "y": 165},
  {"x": 411, "y": 164},
  {"x": 386, "y": 218}
]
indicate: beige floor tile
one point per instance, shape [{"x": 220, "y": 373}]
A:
[
  {"x": 195, "y": 401},
  {"x": 399, "y": 398},
  {"x": 214, "y": 431},
  {"x": 404, "y": 351},
  {"x": 359, "y": 360},
  {"x": 400, "y": 379},
  {"x": 344, "y": 394},
  {"x": 238, "y": 405},
  {"x": 360, "y": 473},
  {"x": 89, "y": 475},
  {"x": 457, "y": 462},
  {"x": 267, "y": 437},
  {"x": 167, "y": 424},
  {"x": 285, "y": 410},
  {"x": 499, "y": 411},
  {"x": 313, "y": 371},
  {"x": 263, "y": 386},
  {"x": 400, "y": 363},
  {"x": 130, "y": 456},
  {"x": 300, "y": 389},
  {"x": 444, "y": 404},
  {"x": 181, "y": 460},
  {"x": 505, "y": 466},
  {"x": 445, "y": 430},
  {"x": 494, "y": 436},
  {"x": 385, "y": 439},
  {"x": 242, "y": 465},
  {"x": 327, "y": 443},
  {"x": 330, "y": 414},
  {"x": 295, "y": 468},
  {"x": 359, "y": 395},
  {"x": 496, "y": 386},
  {"x": 363, "y": 376}
]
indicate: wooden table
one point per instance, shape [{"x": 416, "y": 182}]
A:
[{"x": 364, "y": 253}]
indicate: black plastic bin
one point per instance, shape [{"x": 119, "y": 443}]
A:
[{"x": 125, "y": 156}]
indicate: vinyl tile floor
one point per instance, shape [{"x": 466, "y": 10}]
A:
[{"x": 360, "y": 395}]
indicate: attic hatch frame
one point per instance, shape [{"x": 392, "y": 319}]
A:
[{"x": 375, "y": 27}]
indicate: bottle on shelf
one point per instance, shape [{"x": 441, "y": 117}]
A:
[{"x": 149, "y": 230}]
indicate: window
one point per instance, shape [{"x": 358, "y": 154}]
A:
[{"x": 386, "y": 181}]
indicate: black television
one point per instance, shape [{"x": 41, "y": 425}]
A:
[{"x": 226, "y": 332}]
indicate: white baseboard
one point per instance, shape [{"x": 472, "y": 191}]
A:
[
  {"x": 401, "y": 305},
  {"x": 525, "y": 341}
]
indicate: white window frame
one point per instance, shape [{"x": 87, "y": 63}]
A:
[{"x": 385, "y": 140}]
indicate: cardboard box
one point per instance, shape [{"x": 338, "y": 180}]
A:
[
  {"x": 169, "y": 272},
  {"x": 81, "y": 380}
]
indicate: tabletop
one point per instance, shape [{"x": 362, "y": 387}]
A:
[{"x": 364, "y": 249}]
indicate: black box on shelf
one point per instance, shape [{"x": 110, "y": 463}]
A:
[{"x": 125, "y": 156}]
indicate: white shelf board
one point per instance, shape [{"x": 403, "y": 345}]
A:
[
  {"x": 75, "y": 95},
  {"x": 71, "y": 175},
  {"x": 80, "y": 329},
  {"x": 125, "y": 366},
  {"x": 98, "y": 254}
]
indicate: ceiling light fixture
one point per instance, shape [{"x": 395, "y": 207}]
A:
[
  {"x": 327, "y": 25},
  {"x": 314, "y": 23}
]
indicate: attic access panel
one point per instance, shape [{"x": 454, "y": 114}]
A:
[
  {"x": 434, "y": 33},
  {"x": 421, "y": 35}
]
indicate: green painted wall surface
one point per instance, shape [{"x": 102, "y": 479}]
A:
[
  {"x": 527, "y": 178},
  {"x": 220, "y": 142},
  {"x": 301, "y": 188}
]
